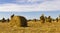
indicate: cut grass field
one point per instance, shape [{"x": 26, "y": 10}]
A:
[{"x": 33, "y": 27}]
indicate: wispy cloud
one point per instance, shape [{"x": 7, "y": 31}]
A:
[
  {"x": 29, "y": 1},
  {"x": 31, "y": 5}
]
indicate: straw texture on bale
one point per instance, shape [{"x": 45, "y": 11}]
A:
[{"x": 19, "y": 21}]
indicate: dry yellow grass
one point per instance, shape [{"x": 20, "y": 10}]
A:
[{"x": 34, "y": 27}]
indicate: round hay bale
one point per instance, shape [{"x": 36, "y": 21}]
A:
[{"x": 18, "y": 21}]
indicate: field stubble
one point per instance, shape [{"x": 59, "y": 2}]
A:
[{"x": 34, "y": 27}]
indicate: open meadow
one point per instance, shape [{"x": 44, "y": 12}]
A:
[{"x": 33, "y": 27}]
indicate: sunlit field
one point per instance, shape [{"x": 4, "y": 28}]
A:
[
  {"x": 33, "y": 27},
  {"x": 19, "y": 24}
]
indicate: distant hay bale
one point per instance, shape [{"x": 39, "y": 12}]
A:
[{"x": 19, "y": 21}]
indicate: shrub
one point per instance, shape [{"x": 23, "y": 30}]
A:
[
  {"x": 8, "y": 20},
  {"x": 35, "y": 20},
  {"x": 42, "y": 18},
  {"x": 45, "y": 19},
  {"x": 49, "y": 19},
  {"x": 3, "y": 20},
  {"x": 29, "y": 20},
  {"x": 57, "y": 19}
]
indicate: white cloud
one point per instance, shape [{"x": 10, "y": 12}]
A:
[
  {"x": 28, "y": 0},
  {"x": 45, "y": 6},
  {"x": 50, "y": 6},
  {"x": 16, "y": 7}
]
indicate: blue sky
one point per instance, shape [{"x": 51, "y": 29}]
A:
[
  {"x": 20, "y": 1},
  {"x": 30, "y": 15},
  {"x": 29, "y": 5},
  {"x": 29, "y": 8}
]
